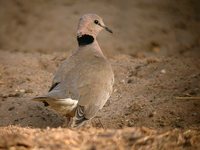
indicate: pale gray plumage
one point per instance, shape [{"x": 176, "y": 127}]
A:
[{"x": 84, "y": 81}]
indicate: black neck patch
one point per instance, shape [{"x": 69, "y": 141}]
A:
[{"x": 85, "y": 40}]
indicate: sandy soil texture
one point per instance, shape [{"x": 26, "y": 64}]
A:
[
  {"x": 155, "y": 55},
  {"x": 89, "y": 139}
]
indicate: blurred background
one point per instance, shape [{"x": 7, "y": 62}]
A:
[{"x": 164, "y": 27}]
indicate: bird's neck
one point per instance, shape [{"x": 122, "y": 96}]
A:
[{"x": 86, "y": 41}]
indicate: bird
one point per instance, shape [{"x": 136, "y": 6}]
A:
[{"x": 84, "y": 81}]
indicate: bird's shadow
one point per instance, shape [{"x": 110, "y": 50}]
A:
[{"x": 27, "y": 113}]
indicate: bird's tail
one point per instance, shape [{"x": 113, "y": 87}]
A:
[
  {"x": 43, "y": 99},
  {"x": 63, "y": 106}
]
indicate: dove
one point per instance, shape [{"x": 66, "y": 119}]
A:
[{"x": 84, "y": 81}]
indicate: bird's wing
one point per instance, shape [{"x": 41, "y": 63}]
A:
[
  {"x": 79, "y": 117},
  {"x": 65, "y": 67},
  {"x": 95, "y": 87},
  {"x": 57, "y": 97}
]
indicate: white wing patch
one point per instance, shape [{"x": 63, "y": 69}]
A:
[
  {"x": 68, "y": 101},
  {"x": 68, "y": 104},
  {"x": 64, "y": 106}
]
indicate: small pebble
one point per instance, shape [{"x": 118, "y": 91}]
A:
[
  {"x": 122, "y": 81},
  {"x": 129, "y": 81},
  {"x": 194, "y": 114},
  {"x": 163, "y": 71},
  {"x": 22, "y": 90},
  {"x": 29, "y": 91},
  {"x": 115, "y": 90},
  {"x": 152, "y": 114},
  {"x": 130, "y": 123},
  {"x": 11, "y": 108}
]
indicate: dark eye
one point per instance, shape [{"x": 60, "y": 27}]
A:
[{"x": 96, "y": 21}]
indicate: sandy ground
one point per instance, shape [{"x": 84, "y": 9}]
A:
[
  {"x": 91, "y": 139},
  {"x": 154, "y": 52}
]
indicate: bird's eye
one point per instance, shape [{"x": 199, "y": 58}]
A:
[{"x": 96, "y": 21}]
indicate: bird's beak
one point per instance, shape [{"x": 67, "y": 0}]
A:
[{"x": 106, "y": 28}]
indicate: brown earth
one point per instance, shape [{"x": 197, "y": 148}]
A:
[{"x": 154, "y": 51}]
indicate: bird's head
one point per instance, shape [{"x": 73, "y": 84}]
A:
[{"x": 91, "y": 24}]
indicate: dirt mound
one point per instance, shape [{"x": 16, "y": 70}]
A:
[{"x": 129, "y": 138}]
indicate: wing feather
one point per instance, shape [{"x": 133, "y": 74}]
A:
[{"x": 79, "y": 118}]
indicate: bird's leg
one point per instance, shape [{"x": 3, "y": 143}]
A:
[
  {"x": 66, "y": 122},
  {"x": 101, "y": 123}
]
